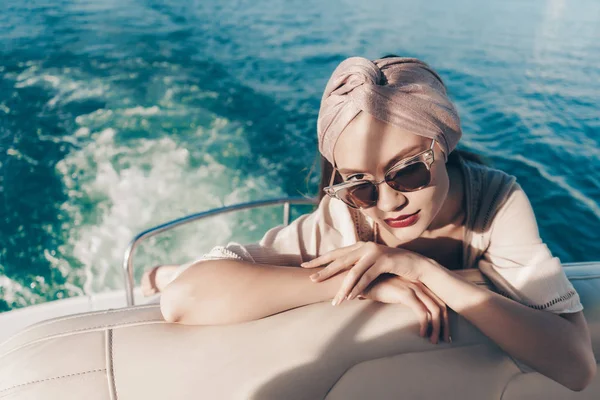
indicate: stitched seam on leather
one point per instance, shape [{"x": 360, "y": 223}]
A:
[
  {"x": 68, "y": 333},
  {"x": 66, "y": 318},
  {"x": 110, "y": 371},
  {"x": 112, "y": 355},
  {"x": 512, "y": 378},
  {"x": 53, "y": 378},
  {"x": 100, "y": 312}
]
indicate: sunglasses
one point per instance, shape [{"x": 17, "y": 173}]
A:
[{"x": 408, "y": 175}]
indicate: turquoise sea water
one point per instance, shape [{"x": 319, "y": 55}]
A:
[{"x": 119, "y": 115}]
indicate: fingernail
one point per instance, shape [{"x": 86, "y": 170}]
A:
[
  {"x": 335, "y": 301},
  {"x": 303, "y": 264},
  {"x": 314, "y": 276}
]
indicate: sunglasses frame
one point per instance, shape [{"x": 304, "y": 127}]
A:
[{"x": 426, "y": 157}]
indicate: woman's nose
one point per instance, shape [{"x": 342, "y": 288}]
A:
[{"x": 389, "y": 199}]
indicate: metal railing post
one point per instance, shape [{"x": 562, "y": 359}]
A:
[{"x": 286, "y": 213}]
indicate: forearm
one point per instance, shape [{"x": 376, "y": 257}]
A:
[
  {"x": 543, "y": 340},
  {"x": 231, "y": 291}
]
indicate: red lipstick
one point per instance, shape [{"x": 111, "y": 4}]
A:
[{"x": 403, "y": 221}]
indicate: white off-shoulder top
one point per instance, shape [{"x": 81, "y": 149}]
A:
[{"x": 502, "y": 240}]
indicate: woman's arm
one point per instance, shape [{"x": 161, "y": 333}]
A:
[
  {"x": 229, "y": 291},
  {"x": 558, "y": 346}
]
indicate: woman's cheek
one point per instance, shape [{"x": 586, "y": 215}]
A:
[
  {"x": 440, "y": 186},
  {"x": 429, "y": 205}
]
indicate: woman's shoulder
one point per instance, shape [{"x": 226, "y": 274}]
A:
[
  {"x": 487, "y": 175},
  {"x": 488, "y": 190}
]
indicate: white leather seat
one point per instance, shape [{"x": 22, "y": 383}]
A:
[{"x": 359, "y": 350}]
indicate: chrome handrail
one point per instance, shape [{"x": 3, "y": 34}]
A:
[{"x": 128, "y": 259}]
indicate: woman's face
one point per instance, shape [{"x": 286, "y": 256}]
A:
[{"x": 367, "y": 145}]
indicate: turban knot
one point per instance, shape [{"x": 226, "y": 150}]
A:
[{"x": 401, "y": 91}]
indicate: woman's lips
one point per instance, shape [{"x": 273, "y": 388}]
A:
[{"x": 403, "y": 221}]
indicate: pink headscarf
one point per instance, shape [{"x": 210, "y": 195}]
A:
[{"x": 402, "y": 91}]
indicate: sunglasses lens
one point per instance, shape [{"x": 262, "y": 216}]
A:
[
  {"x": 406, "y": 179},
  {"x": 359, "y": 196},
  {"x": 410, "y": 178}
]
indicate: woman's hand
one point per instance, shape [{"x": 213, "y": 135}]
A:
[
  {"x": 366, "y": 261},
  {"x": 430, "y": 309},
  {"x": 157, "y": 278}
]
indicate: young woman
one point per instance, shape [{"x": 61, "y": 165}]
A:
[{"x": 406, "y": 219}]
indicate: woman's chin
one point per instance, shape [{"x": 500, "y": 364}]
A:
[{"x": 406, "y": 234}]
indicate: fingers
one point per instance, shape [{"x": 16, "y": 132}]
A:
[
  {"x": 148, "y": 283},
  {"x": 361, "y": 270},
  {"x": 435, "y": 312},
  {"x": 444, "y": 310},
  {"x": 411, "y": 300},
  {"x": 330, "y": 256},
  {"x": 368, "y": 276},
  {"x": 340, "y": 264}
]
